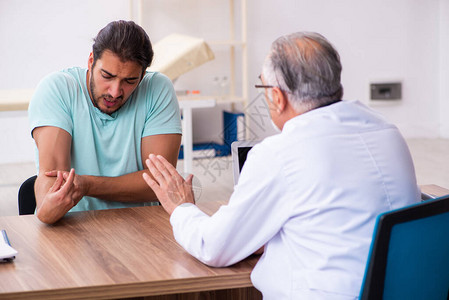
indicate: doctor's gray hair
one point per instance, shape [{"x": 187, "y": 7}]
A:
[{"x": 307, "y": 68}]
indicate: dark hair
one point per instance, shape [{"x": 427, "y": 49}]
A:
[
  {"x": 125, "y": 39},
  {"x": 308, "y": 67}
]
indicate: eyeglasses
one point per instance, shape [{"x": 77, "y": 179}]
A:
[{"x": 261, "y": 87}]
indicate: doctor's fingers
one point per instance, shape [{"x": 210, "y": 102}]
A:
[
  {"x": 167, "y": 170},
  {"x": 187, "y": 183},
  {"x": 155, "y": 172},
  {"x": 188, "y": 188},
  {"x": 176, "y": 177},
  {"x": 152, "y": 184},
  {"x": 166, "y": 164}
]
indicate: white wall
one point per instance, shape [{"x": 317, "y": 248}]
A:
[
  {"x": 38, "y": 37},
  {"x": 380, "y": 40},
  {"x": 15, "y": 138},
  {"x": 404, "y": 40},
  {"x": 444, "y": 69},
  {"x": 377, "y": 40},
  {"x": 42, "y": 36}
]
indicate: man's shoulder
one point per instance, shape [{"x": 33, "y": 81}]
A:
[
  {"x": 155, "y": 78},
  {"x": 153, "y": 86},
  {"x": 58, "y": 88},
  {"x": 65, "y": 77}
]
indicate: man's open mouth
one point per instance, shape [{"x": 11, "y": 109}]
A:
[{"x": 109, "y": 103}]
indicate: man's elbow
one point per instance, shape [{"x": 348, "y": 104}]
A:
[{"x": 46, "y": 218}]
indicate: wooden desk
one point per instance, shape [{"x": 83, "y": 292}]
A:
[
  {"x": 116, "y": 254},
  {"x": 434, "y": 190},
  {"x": 108, "y": 254}
]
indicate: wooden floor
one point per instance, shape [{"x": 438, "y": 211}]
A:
[{"x": 214, "y": 181}]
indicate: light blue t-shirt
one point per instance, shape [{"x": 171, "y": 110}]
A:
[{"x": 102, "y": 144}]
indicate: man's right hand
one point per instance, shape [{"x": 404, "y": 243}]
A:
[{"x": 59, "y": 199}]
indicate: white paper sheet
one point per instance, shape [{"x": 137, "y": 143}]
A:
[{"x": 6, "y": 251}]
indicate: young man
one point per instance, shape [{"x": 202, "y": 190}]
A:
[
  {"x": 93, "y": 127},
  {"x": 309, "y": 195}
]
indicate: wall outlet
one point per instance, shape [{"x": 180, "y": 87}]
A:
[{"x": 386, "y": 91}]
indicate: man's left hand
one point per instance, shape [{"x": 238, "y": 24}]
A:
[{"x": 80, "y": 185}]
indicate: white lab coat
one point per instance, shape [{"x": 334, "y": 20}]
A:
[{"x": 310, "y": 195}]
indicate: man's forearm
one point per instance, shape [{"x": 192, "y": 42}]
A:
[
  {"x": 41, "y": 188},
  {"x": 126, "y": 188}
]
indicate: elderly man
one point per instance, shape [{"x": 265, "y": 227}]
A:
[
  {"x": 101, "y": 122},
  {"x": 309, "y": 195}
]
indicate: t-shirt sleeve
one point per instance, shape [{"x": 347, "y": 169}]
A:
[
  {"x": 50, "y": 104},
  {"x": 163, "y": 115}
]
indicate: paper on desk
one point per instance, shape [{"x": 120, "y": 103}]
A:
[{"x": 7, "y": 252}]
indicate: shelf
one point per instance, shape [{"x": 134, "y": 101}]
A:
[
  {"x": 219, "y": 99},
  {"x": 226, "y": 43},
  {"x": 189, "y": 102},
  {"x": 17, "y": 99}
]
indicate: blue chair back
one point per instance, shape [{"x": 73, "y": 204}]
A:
[{"x": 409, "y": 256}]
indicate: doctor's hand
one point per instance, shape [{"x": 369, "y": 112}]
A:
[{"x": 169, "y": 186}]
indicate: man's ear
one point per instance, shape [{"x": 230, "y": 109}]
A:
[
  {"x": 90, "y": 61},
  {"x": 279, "y": 99}
]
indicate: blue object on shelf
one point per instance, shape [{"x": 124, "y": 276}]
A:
[
  {"x": 203, "y": 150},
  {"x": 233, "y": 128}
]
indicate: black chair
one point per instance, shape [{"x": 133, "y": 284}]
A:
[{"x": 27, "y": 199}]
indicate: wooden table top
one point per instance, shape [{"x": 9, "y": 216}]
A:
[
  {"x": 113, "y": 253},
  {"x": 102, "y": 254},
  {"x": 434, "y": 190}
]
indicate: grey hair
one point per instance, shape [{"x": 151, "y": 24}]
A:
[{"x": 306, "y": 67}]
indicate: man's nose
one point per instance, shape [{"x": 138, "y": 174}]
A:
[{"x": 115, "y": 89}]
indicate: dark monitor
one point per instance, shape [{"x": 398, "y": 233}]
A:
[
  {"x": 239, "y": 152},
  {"x": 409, "y": 256},
  {"x": 242, "y": 153}
]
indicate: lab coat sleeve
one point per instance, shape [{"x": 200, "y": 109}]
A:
[{"x": 254, "y": 214}]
